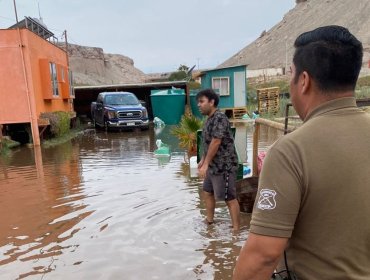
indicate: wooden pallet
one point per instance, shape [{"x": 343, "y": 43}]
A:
[
  {"x": 268, "y": 93},
  {"x": 235, "y": 113},
  {"x": 268, "y": 100},
  {"x": 238, "y": 113}
]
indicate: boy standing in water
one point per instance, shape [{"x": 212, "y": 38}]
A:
[{"x": 219, "y": 162}]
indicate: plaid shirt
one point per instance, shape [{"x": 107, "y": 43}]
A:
[{"x": 218, "y": 126}]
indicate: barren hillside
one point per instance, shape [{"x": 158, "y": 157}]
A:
[
  {"x": 273, "y": 46},
  {"x": 91, "y": 66}
]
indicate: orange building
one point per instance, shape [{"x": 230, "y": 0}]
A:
[{"x": 34, "y": 76}]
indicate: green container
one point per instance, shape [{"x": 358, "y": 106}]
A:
[
  {"x": 194, "y": 104},
  {"x": 168, "y": 105}
]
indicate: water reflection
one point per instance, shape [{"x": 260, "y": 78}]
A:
[
  {"x": 43, "y": 203},
  {"x": 103, "y": 206}
]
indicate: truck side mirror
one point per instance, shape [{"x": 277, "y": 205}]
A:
[{"x": 143, "y": 103}]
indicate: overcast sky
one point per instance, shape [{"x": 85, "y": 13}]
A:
[{"x": 158, "y": 35}]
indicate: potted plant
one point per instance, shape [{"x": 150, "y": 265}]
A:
[{"x": 186, "y": 131}]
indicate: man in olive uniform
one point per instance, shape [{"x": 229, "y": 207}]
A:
[
  {"x": 314, "y": 189},
  {"x": 219, "y": 162}
]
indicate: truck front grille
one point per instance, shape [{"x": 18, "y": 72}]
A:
[{"x": 129, "y": 115}]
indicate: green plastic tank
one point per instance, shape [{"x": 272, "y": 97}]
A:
[
  {"x": 168, "y": 105},
  {"x": 194, "y": 104}
]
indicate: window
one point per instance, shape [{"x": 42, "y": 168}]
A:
[
  {"x": 70, "y": 78},
  {"x": 121, "y": 99},
  {"x": 54, "y": 80},
  {"x": 221, "y": 85}
]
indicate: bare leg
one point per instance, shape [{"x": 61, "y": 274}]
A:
[
  {"x": 209, "y": 199},
  {"x": 234, "y": 210}
]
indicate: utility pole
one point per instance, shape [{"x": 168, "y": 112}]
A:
[
  {"x": 286, "y": 56},
  {"x": 66, "y": 43},
  {"x": 15, "y": 11},
  {"x": 38, "y": 5}
]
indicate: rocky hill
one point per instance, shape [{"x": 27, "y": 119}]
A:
[
  {"x": 273, "y": 47},
  {"x": 91, "y": 66}
]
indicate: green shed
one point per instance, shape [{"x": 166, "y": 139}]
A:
[{"x": 230, "y": 83}]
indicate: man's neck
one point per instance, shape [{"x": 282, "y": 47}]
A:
[
  {"x": 212, "y": 112},
  {"x": 321, "y": 98}
]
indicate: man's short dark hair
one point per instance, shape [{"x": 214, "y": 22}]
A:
[
  {"x": 209, "y": 94},
  {"x": 331, "y": 55}
]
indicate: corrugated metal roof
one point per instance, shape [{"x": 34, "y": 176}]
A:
[
  {"x": 220, "y": 68},
  {"x": 134, "y": 85},
  {"x": 35, "y": 26}
]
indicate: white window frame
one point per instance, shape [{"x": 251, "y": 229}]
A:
[
  {"x": 219, "y": 89},
  {"x": 54, "y": 78},
  {"x": 70, "y": 79}
]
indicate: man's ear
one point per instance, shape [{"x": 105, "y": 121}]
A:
[
  {"x": 212, "y": 102},
  {"x": 305, "y": 82}
]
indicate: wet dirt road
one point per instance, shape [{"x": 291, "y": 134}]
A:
[{"x": 104, "y": 207}]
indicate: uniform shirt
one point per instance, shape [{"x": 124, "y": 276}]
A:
[
  {"x": 315, "y": 189},
  {"x": 218, "y": 126}
]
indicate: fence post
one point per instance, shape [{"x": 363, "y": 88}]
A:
[{"x": 256, "y": 134}]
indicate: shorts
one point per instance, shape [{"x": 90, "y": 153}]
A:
[{"x": 221, "y": 185}]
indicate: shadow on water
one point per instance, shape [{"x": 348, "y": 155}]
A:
[{"x": 104, "y": 207}]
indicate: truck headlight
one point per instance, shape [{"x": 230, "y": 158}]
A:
[
  {"x": 145, "y": 113},
  {"x": 112, "y": 114}
]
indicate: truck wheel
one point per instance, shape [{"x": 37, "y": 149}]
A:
[{"x": 145, "y": 128}]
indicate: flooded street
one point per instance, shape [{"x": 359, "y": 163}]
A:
[{"x": 104, "y": 207}]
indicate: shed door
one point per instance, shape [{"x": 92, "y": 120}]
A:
[{"x": 239, "y": 89}]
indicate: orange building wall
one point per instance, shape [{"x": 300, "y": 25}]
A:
[
  {"x": 14, "y": 107},
  {"x": 37, "y": 52},
  {"x": 13, "y": 98}
]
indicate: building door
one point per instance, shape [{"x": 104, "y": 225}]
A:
[{"x": 239, "y": 89}]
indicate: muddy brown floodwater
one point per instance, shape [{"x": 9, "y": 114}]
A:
[{"x": 104, "y": 207}]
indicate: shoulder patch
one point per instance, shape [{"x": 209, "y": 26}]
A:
[{"x": 266, "y": 200}]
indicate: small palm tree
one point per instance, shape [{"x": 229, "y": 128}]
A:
[{"x": 186, "y": 131}]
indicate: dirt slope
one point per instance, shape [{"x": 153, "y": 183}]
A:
[
  {"x": 91, "y": 66},
  {"x": 271, "y": 48}
]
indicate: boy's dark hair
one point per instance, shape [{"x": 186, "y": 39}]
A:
[
  {"x": 331, "y": 55},
  {"x": 209, "y": 94}
]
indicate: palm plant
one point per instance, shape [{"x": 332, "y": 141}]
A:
[{"x": 186, "y": 131}]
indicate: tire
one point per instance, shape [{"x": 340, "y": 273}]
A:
[{"x": 145, "y": 128}]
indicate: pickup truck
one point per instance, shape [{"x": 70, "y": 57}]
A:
[{"x": 121, "y": 110}]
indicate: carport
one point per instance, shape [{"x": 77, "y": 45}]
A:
[{"x": 84, "y": 95}]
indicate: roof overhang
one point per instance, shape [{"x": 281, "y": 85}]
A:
[{"x": 133, "y": 85}]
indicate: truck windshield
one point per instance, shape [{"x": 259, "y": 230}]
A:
[{"x": 118, "y": 99}]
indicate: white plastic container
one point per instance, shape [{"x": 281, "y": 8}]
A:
[{"x": 193, "y": 167}]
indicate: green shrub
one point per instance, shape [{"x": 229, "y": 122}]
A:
[
  {"x": 363, "y": 82},
  {"x": 6, "y": 145},
  {"x": 194, "y": 85},
  {"x": 283, "y": 85},
  {"x": 59, "y": 122},
  {"x": 363, "y": 92}
]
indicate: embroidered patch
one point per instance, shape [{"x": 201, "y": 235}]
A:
[{"x": 266, "y": 200}]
